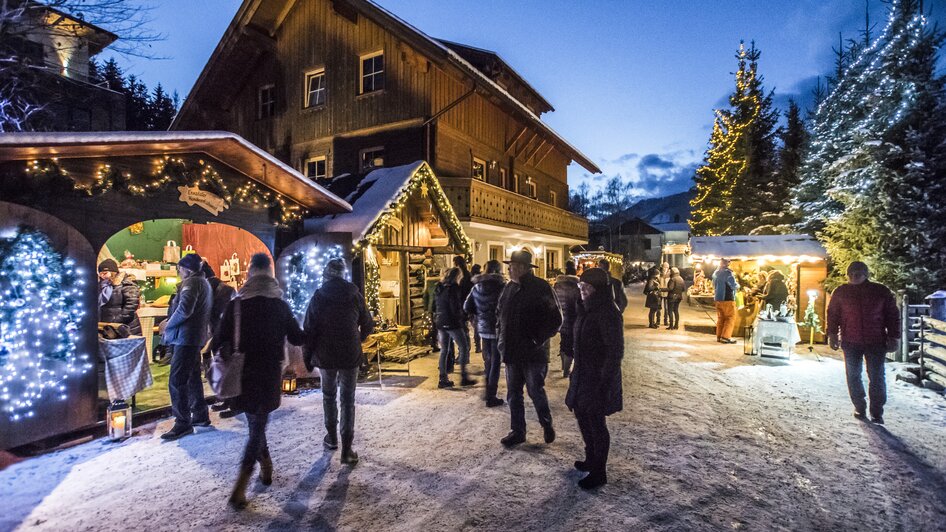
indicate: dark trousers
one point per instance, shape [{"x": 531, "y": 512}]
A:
[
  {"x": 594, "y": 431},
  {"x": 653, "y": 318},
  {"x": 854, "y": 357},
  {"x": 532, "y": 376},
  {"x": 186, "y": 389},
  {"x": 256, "y": 446},
  {"x": 449, "y": 337},
  {"x": 332, "y": 380},
  {"x": 567, "y": 349},
  {"x": 477, "y": 340},
  {"x": 493, "y": 362},
  {"x": 673, "y": 309},
  {"x": 666, "y": 305}
]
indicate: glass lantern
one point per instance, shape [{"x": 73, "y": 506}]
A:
[
  {"x": 748, "y": 341},
  {"x": 289, "y": 384},
  {"x": 118, "y": 420}
]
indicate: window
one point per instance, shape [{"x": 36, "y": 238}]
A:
[
  {"x": 515, "y": 183},
  {"x": 371, "y": 158},
  {"x": 316, "y": 168},
  {"x": 479, "y": 169},
  {"x": 504, "y": 178},
  {"x": 551, "y": 259},
  {"x": 553, "y": 198},
  {"x": 530, "y": 187},
  {"x": 314, "y": 88},
  {"x": 266, "y": 102},
  {"x": 372, "y": 72},
  {"x": 496, "y": 252}
]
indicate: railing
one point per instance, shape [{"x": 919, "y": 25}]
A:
[
  {"x": 476, "y": 201},
  {"x": 932, "y": 350}
]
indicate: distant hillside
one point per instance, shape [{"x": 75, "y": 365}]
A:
[{"x": 668, "y": 209}]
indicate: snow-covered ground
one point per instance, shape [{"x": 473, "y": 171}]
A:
[{"x": 708, "y": 439}]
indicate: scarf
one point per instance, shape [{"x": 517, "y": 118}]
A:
[{"x": 260, "y": 285}]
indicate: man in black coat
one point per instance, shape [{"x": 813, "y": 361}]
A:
[
  {"x": 482, "y": 303},
  {"x": 528, "y": 317},
  {"x": 336, "y": 323},
  {"x": 566, "y": 291},
  {"x": 595, "y": 390},
  {"x": 617, "y": 287},
  {"x": 119, "y": 297}
]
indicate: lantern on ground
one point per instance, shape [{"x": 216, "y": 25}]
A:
[
  {"x": 748, "y": 340},
  {"x": 289, "y": 384},
  {"x": 118, "y": 420}
]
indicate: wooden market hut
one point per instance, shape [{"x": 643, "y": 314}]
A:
[
  {"x": 79, "y": 189},
  {"x": 801, "y": 258},
  {"x": 403, "y": 230}
]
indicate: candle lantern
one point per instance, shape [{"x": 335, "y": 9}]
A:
[
  {"x": 289, "y": 384},
  {"x": 748, "y": 340},
  {"x": 118, "y": 420}
]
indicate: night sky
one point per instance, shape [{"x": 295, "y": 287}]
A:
[{"x": 633, "y": 82}]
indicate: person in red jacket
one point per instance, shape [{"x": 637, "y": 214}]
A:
[{"x": 864, "y": 322}]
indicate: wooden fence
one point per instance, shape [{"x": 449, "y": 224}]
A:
[{"x": 931, "y": 352}]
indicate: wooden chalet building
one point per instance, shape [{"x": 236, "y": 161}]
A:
[{"x": 344, "y": 86}]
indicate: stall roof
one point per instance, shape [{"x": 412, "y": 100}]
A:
[
  {"x": 229, "y": 148},
  {"x": 803, "y": 247}
]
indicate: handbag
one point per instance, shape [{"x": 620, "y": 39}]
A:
[
  {"x": 172, "y": 252},
  {"x": 225, "y": 271},
  {"x": 234, "y": 265},
  {"x": 225, "y": 374},
  {"x": 188, "y": 249}
]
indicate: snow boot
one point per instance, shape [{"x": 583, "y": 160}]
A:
[
  {"x": 266, "y": 468},
  {"x": 237, "y": 499},
  {"x": 593, "y": 480},
  {"x": 582, "y": 465},
  {"x": 492, "y": 402},
  {"x": 330, "y": 442},
  {"x": 349, "y": 456},
  {"x": 548, "y": 433},
  {"x": 513, "y": 438}
]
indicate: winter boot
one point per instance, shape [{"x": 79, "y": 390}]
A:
[
  {"x": 330, "y": 442},
  {"x": 593, "y": 480},
  {"x": 266, "y": 468},
  {"x": 349, "y": 456},
  {"x": 237, "y": 499}
]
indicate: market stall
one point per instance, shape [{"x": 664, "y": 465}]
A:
[
  {"x": 800, "y": 260},
  {"x": 589, "y": 259},
  {"x": 66, "y": 195},
  {"x": 403, "y": 232}
]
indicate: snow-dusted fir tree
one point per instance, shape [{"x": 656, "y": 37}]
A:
[
  {"x": 734, "y": 186},
  {"x": 794, "y": 138}
]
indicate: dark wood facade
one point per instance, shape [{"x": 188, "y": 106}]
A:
[{"x": 435, "y": 106}]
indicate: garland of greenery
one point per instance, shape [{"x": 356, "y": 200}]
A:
[{"x": 170, "y": 171}]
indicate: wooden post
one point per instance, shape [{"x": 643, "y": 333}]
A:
[{"x": 904, "y": 327}]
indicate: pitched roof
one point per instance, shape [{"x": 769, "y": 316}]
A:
[
  {"x": 269, "y": 15},
  {"x": 229, "y": 148}
]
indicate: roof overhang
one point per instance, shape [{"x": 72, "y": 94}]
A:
[{"x": 229, "y": 148}]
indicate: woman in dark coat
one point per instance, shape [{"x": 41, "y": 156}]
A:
[
  {"x": 119, "y": 297},
  {"x": 676, "y": 286},
  {"x": 595, "y": 390},
  {"x": 266, "y": 322},
  {"x": 451, "y": 325},
  {"x": 775, "y": 291},
  {"x": 652, "y": 301}
]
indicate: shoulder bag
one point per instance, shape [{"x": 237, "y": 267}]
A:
[{"x": 225, "y": 373}]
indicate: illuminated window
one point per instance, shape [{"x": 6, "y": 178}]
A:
[
  {"x": 515, "y": 183},
  {"x": 553, "y": 198},
  {"x": 266, "y": 102},
  {"x": 479, "y": 169},
  {"x": 372, "y": 72},
  {"x": 371, "y": 158},
  {"x": 315, "y": 88},
  {"x": 504, "y": 178},
  {"x": 316, "y": 168},
  {"x": 530, "y": 187}
]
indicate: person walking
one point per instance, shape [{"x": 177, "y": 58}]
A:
[
  {"x": 336, "y": 323},
  {"x": 451, "y": 324},
  {"x": 724, "y": 297},
  {"x": 663, "y": 281},
  {"x": 482, "y": 302},
  {"x": 119, "y": 297},
  {"x": 675, "y": 290},
  {"x": 617, "y": 287},
  {"x": 528, "y": 317},
  {"x": 863, "y": 320},
  {"x": 652, "y": 299},
  {"x": 595, "y": 390},
  {"x": 186, "y": 330},
  {"x": 569, "y": 298},
  {"x": 265, "y": 324},
  {"x": 477, "y": 341}
]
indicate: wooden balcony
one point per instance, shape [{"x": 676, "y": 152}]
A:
[{"x": 476, "y": 201}]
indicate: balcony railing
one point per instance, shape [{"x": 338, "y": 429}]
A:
[{"x": 476, "y": 201}]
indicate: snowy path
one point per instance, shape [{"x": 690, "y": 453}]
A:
[{"x": 708, "y": 439}]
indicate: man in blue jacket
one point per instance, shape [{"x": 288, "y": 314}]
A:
[
  {"x": 186, "y": 330},
  {"x": 724, "y": 296},
  {"x": 482, "y": 303}
]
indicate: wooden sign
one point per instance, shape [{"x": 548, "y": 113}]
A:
[{"x": 208, "y": 201}]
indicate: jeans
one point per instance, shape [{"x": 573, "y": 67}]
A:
[
  {"x": 666, "y": 306},
  {"x": 653, "y": 317},
  {"x": 567, "y": 349},
  {"x": 459, "y": 337},
  {"x": 493, "y": 362},
  {"x": 477, "y": 340},
  {"x": 725, "y": 319},
  {"x": 346, "y": 379},
  {"x": 532, "y": 376},
  {"x": 673, "y": 309},
  {"x": 185, "y": 387},
  {"x": 594, "y": 431},
  {"x": 854, "y": 356},
  {"x": 256, "y": 446}
]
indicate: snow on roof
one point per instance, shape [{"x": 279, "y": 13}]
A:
[
  {"x": 673, "y": 226},
  {"x": 750, "y": 247},
  {"x": 371, "y": 198}
]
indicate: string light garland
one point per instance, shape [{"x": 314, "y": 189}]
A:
[
  {"x": 40, "y": 314},
  {"x": 304, "y": 273},
  {"x": 167, "y": 171}
]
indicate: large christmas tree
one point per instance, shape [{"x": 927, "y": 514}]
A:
[{"x": 734, "y": 186}]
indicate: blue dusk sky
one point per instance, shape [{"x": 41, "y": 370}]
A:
[{"x": 633, "y": 82}]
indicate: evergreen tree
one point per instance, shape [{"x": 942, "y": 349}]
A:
[
  {"x": 137, "y": 108},
  {"x": 161, "y": 110},
  {"x": 794, "y": 138},
  {"x": 113, "y": 77},
  {"x": 735, "y": 186}
]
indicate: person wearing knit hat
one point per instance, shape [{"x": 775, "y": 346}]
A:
[
  {"x": 119, "y": 297},
  {"x": 595, "y": 391},
  {"x": 187, "y": 330}
]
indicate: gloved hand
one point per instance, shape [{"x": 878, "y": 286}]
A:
[{"x": 833, "y": 342}]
